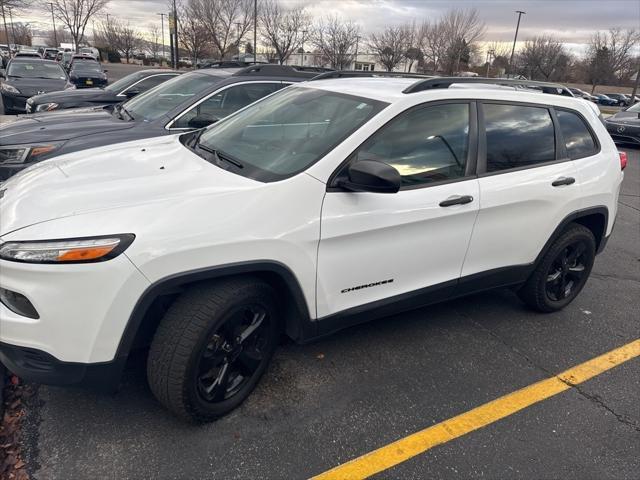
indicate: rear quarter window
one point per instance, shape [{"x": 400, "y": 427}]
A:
[{"x": 577, "y": 136}]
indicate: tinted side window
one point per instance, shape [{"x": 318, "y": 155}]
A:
[
  {"x": 580, "y": 142},
  {"x": 151, "y": 82},
  {"x": 518, "y": 136},
  {"x": 425, "y": 145},
  {"x": 228, "y": 101}
]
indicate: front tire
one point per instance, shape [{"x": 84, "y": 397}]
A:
[
  {"x": 563, "y": 271},
  {"x": 212, "y": 347}
]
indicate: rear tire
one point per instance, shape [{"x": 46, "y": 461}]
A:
[
  {"x": 562, "y": 272},
  {"x": 212, "y": 347}
]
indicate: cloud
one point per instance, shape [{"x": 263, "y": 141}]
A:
[{"x": 573, "y": 21}]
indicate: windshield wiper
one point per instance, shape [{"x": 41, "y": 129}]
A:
[
  {"x": 220, "y": 156},
  {"x": 122, "y": 109}
]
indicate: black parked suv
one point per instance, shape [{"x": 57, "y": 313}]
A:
[
  {"x": 119, "y": 91},
  {"x": 189, "y": 102}
]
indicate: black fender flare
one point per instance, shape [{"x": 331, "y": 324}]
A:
[{"x": 304, "y": 327}]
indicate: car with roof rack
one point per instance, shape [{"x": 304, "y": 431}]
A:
[
  {"x": 326, "y": 204},
  {"x": 188, "y": 102}
]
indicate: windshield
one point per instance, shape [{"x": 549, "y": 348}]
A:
[
  {"x": 160, "y": 100},
  {"x": 635, "y": 108},
  {"x": 124, "y": 82},
  {"x": 286, "y": 132},
  {"x": 51, "y": 71}
]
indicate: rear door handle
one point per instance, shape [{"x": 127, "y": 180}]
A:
[
  {"x": 563, "y": 181},
  {"x": 456, "y": 200}
]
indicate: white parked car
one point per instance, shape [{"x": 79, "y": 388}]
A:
[{"x": 326, "y": 204}]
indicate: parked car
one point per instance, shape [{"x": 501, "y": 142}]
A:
[
  {"x": 25, "y": 77},
  {"x": 64, "y": 59},
  {"x": 81, "y": 57},
  {"x": 208, "y": 246},
  {"x": 622, "y": 99},
  {"x": 605, "y": 100},
  {"x": 117, "y": 92},
  {"x": 582, "y": 94},
  {"x": 50, "y": 53},
  {"x": 94, "y": 52},
  {"x": 27, "y": 54},
  {"x": 190, "y": 101},
  {"x": 624, "y": 126},
  {"x": 88, "y": 75},
  {"x": 5, "y": 55}
]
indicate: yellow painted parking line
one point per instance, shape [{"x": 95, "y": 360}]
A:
[{"x": 419, "y": 442}]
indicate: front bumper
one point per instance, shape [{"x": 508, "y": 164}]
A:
[
  {"x": 621, "y": 132},
  {"x": 40, "y": 367},
  {"x": 83, "y": 308}
]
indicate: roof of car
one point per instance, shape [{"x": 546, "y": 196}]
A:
[
  {"x": 391, "y": 90},
  {"x": 26, "y": 59}
]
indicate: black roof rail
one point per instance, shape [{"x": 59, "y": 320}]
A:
[
  {"x": 359, "y": 73},
  {"x": 271, "y": 70},
  {"x": 446, "y": 82}
]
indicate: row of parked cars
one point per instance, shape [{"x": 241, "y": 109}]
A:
[
  {"x": 607, "y": 99},
  {"x": 205, "y": 218}
]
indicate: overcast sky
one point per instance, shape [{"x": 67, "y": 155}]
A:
[{"x": 573, "y": 21}]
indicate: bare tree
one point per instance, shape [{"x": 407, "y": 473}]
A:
[
  {"x": 22, "y": 34},
  {"x": 542, "y": 56},
  {"x": 192, "y": 34},
  {"x": 59, "y": 35},
  {"x": 226, "y": 21},
  {"x": 431, "y": 38},
  {"x": 462, "y": 29},
  {"x": 610, "y": 55},
  {"x": 336, "y": 40},
  {"x": 153, "y": 44},
  {"x": 283, "y": 29},
  {"x": 121, "y": 36},
  {"x": 390, "y": 45},
  {"x": 75, "y": 14}
]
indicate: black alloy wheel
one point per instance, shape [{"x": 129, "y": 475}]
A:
[
  {"x": 233, "y": 354},
  {"x": 567, "y": 272}
]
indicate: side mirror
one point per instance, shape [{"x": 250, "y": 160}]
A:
[
  {"x": 201, "y": 121},
  {"x": 132, "y": 93},
  {"x": 372, "y": 176}
]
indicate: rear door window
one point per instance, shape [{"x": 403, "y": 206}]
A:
[{"x": 518, "y": 136}]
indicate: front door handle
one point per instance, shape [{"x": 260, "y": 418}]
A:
[
  {"x": 563, "y": 181},
  {"x": 456, "y": 200}
]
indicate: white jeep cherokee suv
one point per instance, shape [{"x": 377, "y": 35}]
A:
[{"x": 323, "y": 205}]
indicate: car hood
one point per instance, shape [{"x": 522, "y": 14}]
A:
[
  {"x": 32, "y": 86},
  {"x": 51, "y": 127},
  {"x": 83, "y": 94},
  {"x": 630, "y": 118},
  {"x": 134, "y": 173}
]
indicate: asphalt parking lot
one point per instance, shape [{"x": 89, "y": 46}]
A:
[{"x": 323, "y": 404}]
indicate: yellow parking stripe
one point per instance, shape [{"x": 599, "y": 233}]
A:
[{"x": 419, "y": 442}]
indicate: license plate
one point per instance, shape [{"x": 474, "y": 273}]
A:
[{"x": 89, "y": 82}]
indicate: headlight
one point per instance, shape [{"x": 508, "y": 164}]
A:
[
  {"x": 46, "y": 107},
  {"x": 79, "y": 250},
  {"x": 16, "y": 154},
  {"x": 9, "y": 89}
]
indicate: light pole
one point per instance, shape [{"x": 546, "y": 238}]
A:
[
  {"x": 513, "y": 49},
  {"x": 355, "y": 57},
  {"x": 162, "y": 15},
  {"x": 13, "y": 29},
  {"x": 304, "y": 33},
  {"x": 255, "y": 31},
  {"x": 238, "y": 25},
  {"x": 6, "y": 30},
  {"x": 53, "y": 20}
]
